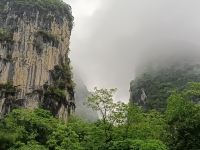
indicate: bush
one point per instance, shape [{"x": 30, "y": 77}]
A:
[
  {"x": 6, "y": 35},
  {"x": 56, "y": 93},
  {"x": 25, "y": 129}
]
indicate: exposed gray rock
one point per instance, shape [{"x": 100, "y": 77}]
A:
[{"x": 32, "y": 42}]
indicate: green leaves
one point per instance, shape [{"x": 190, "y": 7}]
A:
[
  {"x": 145, "y": 125},
  {"x": 130, "y": 144},
  {"x": 58, "y": 8},
  {"x": 64, "y": 138},
  {"x": 101, "y": 100},
  {"x": 122, "y": 127},
  {"x": 5, "y": 35},
  {"x": 56, "y": 92},
  {"x": 37, "y": 129},
  {"x": 148, "y": 145},
  {"x": 183, "y": 118}
]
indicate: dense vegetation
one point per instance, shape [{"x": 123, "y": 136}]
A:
[
  {"x": 160, "y": 83},
  {"x": 57, "y": 7},
  {"x": 121, "y": 127},
  {"x": 61, "y": 91},
  {"x": 5, "y": 35}
]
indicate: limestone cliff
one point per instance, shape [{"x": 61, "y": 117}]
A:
[{"x": 34, "y": 46}]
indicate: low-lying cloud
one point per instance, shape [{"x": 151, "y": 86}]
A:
[{"x": 118, "y": 38}]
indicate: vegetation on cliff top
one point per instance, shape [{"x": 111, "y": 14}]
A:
[
  {"x": 43, "y": 4},
  {"x": 57, "y": 7}
]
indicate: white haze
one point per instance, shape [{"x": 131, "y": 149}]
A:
[{"x": 114, "y": 39}]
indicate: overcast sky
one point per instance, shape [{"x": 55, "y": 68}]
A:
[{"x": 113, "y": 39}]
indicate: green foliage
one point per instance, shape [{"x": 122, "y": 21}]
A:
[
  {"x": 192, "y": 92},
  {"x": 8, "y": 89},
  {"x": 148, "y": 145},
  {"x": 159, "y": 84},
  {"x": 6, "y": 35},
  {"x": 58, "y": 7},
  {"x": 121, "y": 124},
  {"x": 56, "y": 93},
  {"x": 2, "y": 7},
  {"x": 62, "y": 76},
  {"x": 183, "y": 118},
  {"x": 122, "y": 127},
  {"x": 54, "y": 4},
  {"x": 6, "y": 139},
  {"x": 101, "y": 100},
  {"x": 143, "y": 125},
  {"x": 138, "y": 145},
  {"x": 62, "y": 83},
  {"x": 59, "y": 139},
  {"x": 38, "y": 130},
  {"x": 23, "y": 129},
  {"x": 29, "y": 146}
]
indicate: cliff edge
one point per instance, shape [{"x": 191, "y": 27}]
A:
[{"x": 34, "y": 65}]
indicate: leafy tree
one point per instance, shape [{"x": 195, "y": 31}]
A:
[
  {"x": 63, "y": 138},
  {"x": 6, "y": 139},
  {"x": 148, "y": 145},
  {"x": 138, "y": 145},
  {"x": 122, "y": 124},
  {"x": 29, "y": 146},
  {"x": 101, "y": 100},
  {"x": 37, "y": 130},
  {"x": 184, "y": 125}
]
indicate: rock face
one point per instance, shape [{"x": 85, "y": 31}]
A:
[{"x": 34, "y": 46}]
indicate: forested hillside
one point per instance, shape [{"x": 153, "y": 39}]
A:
[{"x": 158, "y": 84}]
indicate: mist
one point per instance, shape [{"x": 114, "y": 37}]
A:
[{"x": 114, "y": 40}]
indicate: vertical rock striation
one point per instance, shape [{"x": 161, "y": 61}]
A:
[{"x": 34, "y": 46}]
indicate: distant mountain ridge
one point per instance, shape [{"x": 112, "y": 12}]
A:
[
  {"x": 81, "y": 94},
  {"x": 152, "y": 88}
]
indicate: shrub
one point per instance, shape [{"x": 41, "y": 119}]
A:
[{"x": 6, "y": 35}]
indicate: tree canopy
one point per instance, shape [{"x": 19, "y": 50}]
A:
[{"x": 120, "y": 127}]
